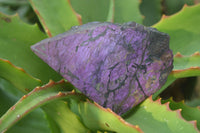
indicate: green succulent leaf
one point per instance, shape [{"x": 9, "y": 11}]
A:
[
  {"x": 6, "y": 97},
  {"x": 183, "y": 30},
  {"x": 91, "y": 10},
  {"x": 55, "y": 16},
  {"x": 34, "y": 122},
  {"x": 152, "y": 11},
  {"x": 16, "y": 37},
  {"x": 152, "y": 116},
  {"x": 179, "y": 26},
  {"x": 59, "y": 112},
  {"x": 64, "y": 118},
  {"x": 98, "y": 118},
  {"x": 113, "y": 10},
  {"x": 127, "y": 10},
  {"x": 172, "y": 6},
  {"x": 184, "y": 66},
  {"x": 184, "y": 62},
  {"x": 14, "y": 2},
  {"x": 188, "y": 113},
  {"x": 34, "y": 99},
  {"x": 17, "y": 76}
]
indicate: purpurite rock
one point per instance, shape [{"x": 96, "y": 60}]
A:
[{"x": 115, "y": 65}]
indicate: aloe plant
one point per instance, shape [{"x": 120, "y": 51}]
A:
[{"x": 35, "y": 98}]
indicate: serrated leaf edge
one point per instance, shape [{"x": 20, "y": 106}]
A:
[
  {"x": 20, "y": 20},
  {"x": 182, "y": 102},
  {"x": 79, "y": 17},
  {"x": 179, "y": 55},
  {"x": 41, "y": 19},
  {"x": 20, "y": 69},
  {"x": 164, "y": 17},
  {"x": 117, "y": 116},
  {"x": 58, "y": 95},
  {"x": 178, "y": 111}
]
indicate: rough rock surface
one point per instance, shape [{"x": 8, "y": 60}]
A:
[{"x": 115, "y": 65}]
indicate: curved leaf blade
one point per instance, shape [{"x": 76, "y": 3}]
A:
[
  {"x": 55, "y": 16},
  {"x": 91, "y": 10},
  {"x": 189, "y": 113},
  {"x": 152, "y": 11},
  {"x": 17, "y": 76},
  {"x": 127, "y": 10},
  {"x": 37, "y": 97},
  {"x": 15, "y": 47},
  {"x": 96, "y": 117},
  {"x": 182, "y": 25},
  {"x": 66, "y": 120},
  {"x": 186, "y": 51},
  {"x": 61, "y": 90},
  {"x": 153, "y": 116},
  {"x": 35, "y": 122}
]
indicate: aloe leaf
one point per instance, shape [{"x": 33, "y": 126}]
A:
[
  {"x": 14, "y": 2},
  {"x": 36, "y": 98},
  {"x": 113, "y": 10},
  {"x": 55, "y": 16},
  {"x": 15, "y": 47},
  {"x": 152, "y": 11},
  {"x": 127, "y": 10},
  {"x": 184, "y": 32},
  {"x": 91, "y": 10},
  {"x": 189, "y": 113},
  {"x": 172, "y": 6},
  {"x": 17, "y": 76},
  {"x": 7, "y": 99},
  {"x": 66, "y": 120},
  {"x": 184, "y": 66},
  {"x": 186, "y": 51},
  {"x": 152, "y": 116},
  {"x": 60, "y": 113},
  {"x": 184, "y": 62},
  {"x": 96, "y": 117},
  {"x": 34, "y": 122}
]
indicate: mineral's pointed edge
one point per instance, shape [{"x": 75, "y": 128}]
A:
[{"x": 115, "y": 65}]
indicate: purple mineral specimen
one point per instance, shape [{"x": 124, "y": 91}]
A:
[{"x": 117, "y": 66}]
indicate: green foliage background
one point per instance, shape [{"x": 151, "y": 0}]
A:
[{"x": 56, "y": 107}]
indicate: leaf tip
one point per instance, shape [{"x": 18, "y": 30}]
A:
[
  {"x": 41, "y": 19},
  {"x": 164, "y": 17},
  {"x": 196, "y": 53},
  {"x": 185, "y": 6},
  {"x": 78, "y": 16},
  {"x": 178, "y": 55},
  {"x": 60, "y": 94}
]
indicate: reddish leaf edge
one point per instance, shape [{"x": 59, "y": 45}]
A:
[
  {"x": 8, "y": 18},
  {"x": 176, "y": 73},
  {"x": 47, "y": 30},
  {"x": 23, "y": 71},
  {"x": 79, "y": 17},
  {"x": 111, "y": 12},
  {"x": 116, "y": 115},
  {"x": 178, "y": 111},
  {"x": 62, "y": 94},
  {"x": 164, "y": 16},
  {"x": 170, "y": 100},
  {"x": 13, "y": 115},
  {"x": 18, "y": 68}
]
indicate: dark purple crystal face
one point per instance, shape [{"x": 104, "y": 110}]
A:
[{"x": 115, "y": 65}]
